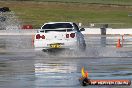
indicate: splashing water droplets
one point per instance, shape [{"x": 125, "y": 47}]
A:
[
  {"x": 10, "y": 21},
  {"x": 10, "y": 24}
]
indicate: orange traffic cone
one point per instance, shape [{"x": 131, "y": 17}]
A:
[{"x": 118, "y": 45}]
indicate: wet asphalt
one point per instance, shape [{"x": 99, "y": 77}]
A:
[{"x": 23, "y": 67}]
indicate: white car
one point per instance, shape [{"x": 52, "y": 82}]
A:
[{"x": 59, "y": 35}]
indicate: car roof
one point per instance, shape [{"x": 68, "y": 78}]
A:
[{"x": 58, "y": 22}]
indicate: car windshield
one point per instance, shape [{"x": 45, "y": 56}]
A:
[{"x": 57, "y": 26}]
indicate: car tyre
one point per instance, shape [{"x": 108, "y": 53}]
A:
[{"x": 82, "y": 47}]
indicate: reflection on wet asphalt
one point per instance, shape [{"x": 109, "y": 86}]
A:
[{"x": 23, "y": 67}]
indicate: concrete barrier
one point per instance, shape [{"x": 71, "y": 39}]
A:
[
  {"x": 119, "y": 31},
  {"x": 110, "y": 31},
  {"x": 18, "y": 32},
  {"x": 92, "y": 31}
]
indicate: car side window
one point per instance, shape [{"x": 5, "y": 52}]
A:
[{"x": 76, "y": 27}]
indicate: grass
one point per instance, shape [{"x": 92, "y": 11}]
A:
[
  {"x": 115, "y": 2},
  {"x": 37, "y": 13}
]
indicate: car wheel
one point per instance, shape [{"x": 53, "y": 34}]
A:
[{"x": 82, "y": 47}]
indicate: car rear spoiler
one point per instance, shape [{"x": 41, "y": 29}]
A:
[{"x": 58, "y": 29}]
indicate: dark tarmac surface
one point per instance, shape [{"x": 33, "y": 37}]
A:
[{"x": 23, "y": 67}]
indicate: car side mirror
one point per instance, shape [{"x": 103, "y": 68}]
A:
[{"x": 82, "y": 29}]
